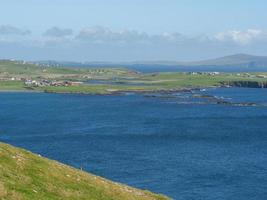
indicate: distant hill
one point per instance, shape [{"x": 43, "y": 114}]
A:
[
  {"x": 237, "y": 60},
  {"x": 232, "y": 63},
  {"x": 24, "y": 175}
]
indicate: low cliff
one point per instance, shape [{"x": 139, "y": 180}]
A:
[{"x": 248, "y": 84}]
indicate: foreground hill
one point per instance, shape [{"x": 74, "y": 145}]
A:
[{"x": 24, "y": 175}]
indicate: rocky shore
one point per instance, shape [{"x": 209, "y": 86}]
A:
[{"x": 248, "y": 84}]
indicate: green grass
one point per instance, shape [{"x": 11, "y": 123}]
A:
[
  {"x": 12, "y": 85},
  {"x": 97, "y": 89},
  {"x": 181, "y": 80},
  {"x": 24, "y": 175},
  {"x": 18, "y": 69}
]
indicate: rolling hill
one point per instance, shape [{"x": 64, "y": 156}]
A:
[
  {"x": 237, "y": 60},
  {"x": 233, "y": 61}
]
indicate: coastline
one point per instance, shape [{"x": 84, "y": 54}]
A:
[
  {"x": 20, "y": 91},
  {"x": 110, "y": 90},
  {"x": 115, "y": 92},
  {"x": 162, "y": 93}
]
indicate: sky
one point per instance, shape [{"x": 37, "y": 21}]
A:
[{"x": 131, "y": 30}]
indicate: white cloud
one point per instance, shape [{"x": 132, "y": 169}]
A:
[
  {"x": 103, "y": 35},
  {"x": 58, "y": 32},
  {"x": 99, "y": 34},
  {"x": 101, "y": 43},
  {"x": 242, "y": 37}
]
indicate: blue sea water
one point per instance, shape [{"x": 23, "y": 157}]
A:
[
  {"x": 186, "y": 151},
  {"x": 152, "y": 68},
  {"x": 147, "y": 68}
]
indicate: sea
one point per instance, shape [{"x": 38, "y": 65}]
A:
[{"x": 182, "y": 145}]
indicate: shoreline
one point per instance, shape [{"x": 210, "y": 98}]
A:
[
  {"x": 20, "y": 91},
  {"x": 115, "y": 92},
  {"x": 121, "y": 92}
]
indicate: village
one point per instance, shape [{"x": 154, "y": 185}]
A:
[
  {"x": 247, "y": 75},
  {"x": 45, "y": 83}
]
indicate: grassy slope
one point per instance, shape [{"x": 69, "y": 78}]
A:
[
  {"x": 24, "y": 175},
  {"x": 14, "y": 68},
  {"x": 181, "y": 80}
]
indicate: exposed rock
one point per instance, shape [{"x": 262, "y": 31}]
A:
[{"x": 248, "y": 84}]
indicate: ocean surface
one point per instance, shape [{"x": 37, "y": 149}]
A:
[
  {"x": 152, "y": 68},
  {"x": 185, "y": 147},
  {"x": 146, "y": 68}
]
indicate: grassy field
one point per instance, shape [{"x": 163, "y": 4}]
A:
[
  {"x": 24, "y": 176},
  {"x": 158, "y": 82},
  {"x": 116, "y": 79},
  {"x": 27, "y": 70},
  {"x": 96, "y": 89},
  {"x": 184, "y": 80},
  {"x": 12, "y": 85}
]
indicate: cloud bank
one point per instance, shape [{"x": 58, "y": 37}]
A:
[
  {"x": 104, "y": 44},
  {"x": 242, "y": 37},
  {"x": 58, "y": 32},
  {"x": 100, "y": 34}
]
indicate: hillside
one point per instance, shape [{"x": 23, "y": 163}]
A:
[
  {"x": 24, "y": 175},
  {"x": 236, "y": 60},
  {"x": 23, "y": 69}
]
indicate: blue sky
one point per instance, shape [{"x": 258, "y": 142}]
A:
[{"x": 125, "y": 30}]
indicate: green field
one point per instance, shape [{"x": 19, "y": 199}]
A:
[
  {"x": 24, "y": 176},
  {"x": 13, "y": 74},
  {"x": 12, "y": 85}
]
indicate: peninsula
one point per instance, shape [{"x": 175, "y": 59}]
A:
[{"x": 27, "y": 76}]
